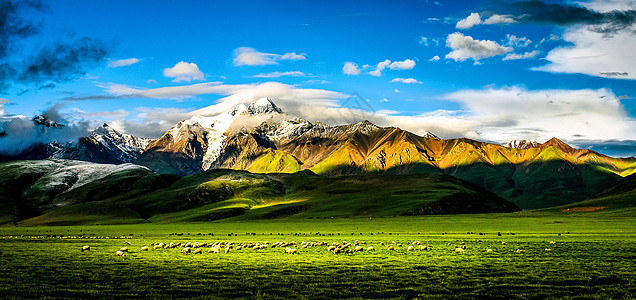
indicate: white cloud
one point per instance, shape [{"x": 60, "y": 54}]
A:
[
  {"x": 385, "y": 100},
  {"x": 514, "y": 41},
  {"x": 517, "y": 113},
  {"x": 246, "y": 56},
  {"x": 396, "y": 91},
  {"x": 280, "y": 74},
  {"x": 434, "y": 58},
  {"x": 350, "y": 68},
  {"x": 292, "y": 56},
  {"x": 405, "y": 80},
  {"x": 499, "y": 19},
  {"x": 423, "y": 41},
  {"x": 123, "y": 62},
  {"x": 116, "y": 89},
  {"x": 608, "y": 5},
  {"x": 184, "y": 71},
  {"x": 407, "y": 64},
  {"x": 379, "y": 68},
  {"x": 465, "y": 47},
  {"x": 149, "y": 81},
  {"x": 527, "y": 55},
  {"x": 470, "y": 21},
  {"x": 595, "y": 54}
]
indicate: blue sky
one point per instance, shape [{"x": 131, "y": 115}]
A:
[{"x": 488, "y": 70}]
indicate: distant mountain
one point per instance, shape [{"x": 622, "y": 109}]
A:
[
  {"x": 102, "y": 145},
  {"x": 65, "y": 192},
  {"x": 530, "y": 174}
]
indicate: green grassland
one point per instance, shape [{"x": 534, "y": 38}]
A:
[{"x": 592, "y": 258}]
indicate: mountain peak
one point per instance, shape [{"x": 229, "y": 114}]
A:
[
  {"x": 45, "y": 121},
  {"x": 522, "y": 144},
  {"x": 556, "y": 143},
  {"x": 431, "y": 135},
  {"x": 262, "y": 106}
]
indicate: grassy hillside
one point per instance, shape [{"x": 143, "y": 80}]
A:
[
  {"x": 137, "y": 195},
  {"x": 617, "y": 199}
]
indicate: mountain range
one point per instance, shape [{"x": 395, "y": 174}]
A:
[{"x": 261, "y": 138}]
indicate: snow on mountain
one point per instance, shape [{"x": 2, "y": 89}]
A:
[
  {"x": 522, "y": 144},
  {"x": 263, "y": 106},
  {"x": 104, "y": 145},
  {"x": 431, "y": 135},
  {"x": 217, "y": 126}
]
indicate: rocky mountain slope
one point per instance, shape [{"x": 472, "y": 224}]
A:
[{"x": 531, "y": 174}]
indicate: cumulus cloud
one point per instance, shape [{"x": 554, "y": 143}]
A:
[
  {"x": 280, "y": 74},
  {"x": 470, "y": 21},
  {"x": 123, "y": 62},
  {"x": 379, "y": 68},
  {"x": 246, "y": 56},
  {"x": 350, "y": 68},
  {"x": 423, "y": 41},
  {"x": 407, "y": 64},
  {"x": 184, "y": 71},
  {"x": 514, "y": 41},
  {"x": 405, "y": 80},
  {"x": 500, "y": 19},
  {"x": 593, "y": 53},
  {"x": 465, "y": 47},
  {"x": 434, "y": 58},
  {"x": 527, "y": 55}
]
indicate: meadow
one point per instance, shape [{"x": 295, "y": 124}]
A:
[{"x": 592, "y": 257}]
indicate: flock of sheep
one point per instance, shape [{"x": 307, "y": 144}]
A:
[{"x": 338, "y": 247}]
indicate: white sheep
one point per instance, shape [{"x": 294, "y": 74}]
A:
[
  {"x": 86, "y": 248},
  {"x": 460, "y": 250},
  {"x": 185, "y": 250},
  {"x": 489, "y": 250},
  {"x": 197, "y": 251},
  {"x": 410, "y": 248},
  {"x": 144, "y": 248},
  {"x": 519, "y": 251},
  {"x": 120, "y": 253},
  {"x": 370, "y": 249},
  {"x": 358, "y": 248},
  {"x": 124, "y": 249},
  {"x": 289, "y": 250}
]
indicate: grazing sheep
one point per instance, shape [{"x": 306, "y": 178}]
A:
[
  {"x": 548, "y": 250},
  {"x": 144, "y": 248},
  {"x": 227, "y": 249},
  {"x": 120, "y": 253},
  {"x": 422, "y": 247},
  {"x": 370, "y": 248},
  {"x": 410, "y": 248},
  {"x": 185, "y": 250},
  {"x": 358, "y": 248},
  {"x": 197, "y": 251},
  {"x": 86, "y": 248},
  {"x": 460, "y": 250},
  {"x": 128, "y": 243},
  {"x": 157, "y": 247},
  {"x": 519, "y": 251},
  {"x": 552, "y": 242},
  {"x": 124, "y": 249},
  {"x": 331, "y": 248},
  {"x": 390, "y": 248},
  {"x": 291, "y": 251},
  {"x": 503, "y": 243},
  {"x": 488, "y": 250},
  {"x": 448, "y": 244},
  {"x": 214, "y": 249}
]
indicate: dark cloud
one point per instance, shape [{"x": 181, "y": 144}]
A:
[
  {"x": 614, "y": 148},
  {"x": 62, "y": 62},
  {"x": 13, "y": 25},
  {"x": 565, "y": 15},
  {"x": 50, "y": 64}
]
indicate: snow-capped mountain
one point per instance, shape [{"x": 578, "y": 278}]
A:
[
  {"x": 196, "y": 143},
  {"x": 104, "y": 145},
  {"x": 522, "y": 144}
]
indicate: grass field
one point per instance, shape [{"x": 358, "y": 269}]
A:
[{"x": 593, "y": 257}]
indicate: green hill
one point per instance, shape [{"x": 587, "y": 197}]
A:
[{"x": 138, "y": 195}]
